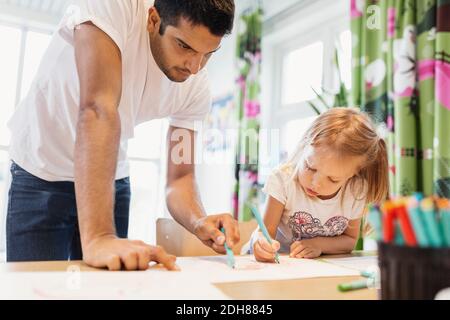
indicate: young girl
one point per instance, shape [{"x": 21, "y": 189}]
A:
[{"x": 316, "y": 199}]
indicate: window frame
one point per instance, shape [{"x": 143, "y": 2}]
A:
[
  {"x": 281, "y": 53},
  {"x": 327, "y": 35}
]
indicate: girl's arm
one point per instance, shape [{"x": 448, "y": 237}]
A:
[
  {"x": 313, "y": 248},
  {"x": 272, "y": 215},
  {"x": 262, "y": 250}
]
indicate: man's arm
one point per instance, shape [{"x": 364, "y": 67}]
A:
[
  {"x": 183, "y": 198},
  {"x": 99, "y": 68},
  {"x": 98, "y": 130}
]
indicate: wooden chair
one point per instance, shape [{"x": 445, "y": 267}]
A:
[{"x": 178, "y": 241}]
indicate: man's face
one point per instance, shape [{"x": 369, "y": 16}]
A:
[{"x": 182, "y": 50}]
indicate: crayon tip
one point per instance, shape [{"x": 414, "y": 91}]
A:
[{"x": 277, "y": 259}]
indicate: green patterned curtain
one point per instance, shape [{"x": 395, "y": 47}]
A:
[
  {"x": 248, "y": 112},
  {"x": 401, "y": 76}
]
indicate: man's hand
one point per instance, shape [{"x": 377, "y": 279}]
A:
[
  {"x": 117, "y": 254},
  {"x": 207, "y": 229},
  {"x": 183, "y": 197},
  {"x": 307, "y": 249}
]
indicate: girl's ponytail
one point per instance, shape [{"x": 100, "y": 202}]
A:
[{"x": 376, "y": 175}]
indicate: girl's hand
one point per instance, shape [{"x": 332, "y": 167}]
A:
[
  {"x": 263, "y": 250},
  {"x": 306, "y": 249}
]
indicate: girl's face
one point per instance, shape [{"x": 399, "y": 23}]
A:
[{"x": 322, "y": 172}]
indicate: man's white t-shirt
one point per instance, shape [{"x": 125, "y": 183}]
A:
[
  {"x": 305, "y": 217},
  {"x": 44, "y": 124}
]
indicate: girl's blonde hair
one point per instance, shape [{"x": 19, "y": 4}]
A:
[{"x": 351, "y": 132}]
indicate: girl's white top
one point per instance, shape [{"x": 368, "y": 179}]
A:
[{"x": 305, "y": 217}]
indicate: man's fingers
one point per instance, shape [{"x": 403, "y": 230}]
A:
[
  {"x": 215, "y": 247},
  {"x": 231, "y": 227},
  {"x": 143, "y": 259},
  {"x": 159, "y": 255},
  {"x": 208, "y": 243},
  {"x": 217, "y": 236},
  {"x": 218, "y": 248},
  {"x": 117, "y": 254},
  {"x": 169, "y": 262},
  {"x": 139, "y": 242},
  {"x": 113, "y": 263},
  {"x": 130, "y": 260}
]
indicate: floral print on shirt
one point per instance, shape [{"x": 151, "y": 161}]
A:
[{"x": 305, "y": 226}]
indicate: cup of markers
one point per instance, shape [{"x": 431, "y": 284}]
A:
[{"x": 413, "y": 235}]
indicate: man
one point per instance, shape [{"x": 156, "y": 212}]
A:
[{"x": 111, "y": 66}]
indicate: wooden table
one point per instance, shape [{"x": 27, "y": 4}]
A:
[
  {"x": 299, "y": 289},
  {"x": 307, "y": 289}
]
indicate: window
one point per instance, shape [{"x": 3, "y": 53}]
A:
[
  {"x": 19, "y": 60},
  {"x": 147, "y": 141},
  {"x": 36, "y": 44},
  {"x": 302, "y": 72},
  {"x": 9, "y": 66},
  {"x": 345, "y": 60},
  {"x": 4, "y": 183},
  {"x": 147, "y": 179},
  {"x": 298, "y": 52},
  {"x": 16, "y": 69},
  {"x": 293, "y": 131}
]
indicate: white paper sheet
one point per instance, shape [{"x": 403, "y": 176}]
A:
[
  {"x": 216, "y": 270},
  {"x": 105, "y": 285},
  {"x": 194, "y": 281},
  {"x": 363, "y": 263}
]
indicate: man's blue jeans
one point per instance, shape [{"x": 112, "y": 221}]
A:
[{"x": 42, "y": 223}]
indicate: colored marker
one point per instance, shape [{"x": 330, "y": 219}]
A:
[
  {"x": 415, "y": 216},
  {"x": 431, "y": 223},
  {"x": 263, "y": 229},
  {"x": 444, "y": 212},
  {"x": 398, "y": 236},
  {"x": 355, "y": 285},
  {"x": 388, "y": 221},
  {"x": 405, "y": 225},
  {"x": 368, "y": 274},
  {"x": 374, "y": 218},
  {"x": 230, "y": 254}
]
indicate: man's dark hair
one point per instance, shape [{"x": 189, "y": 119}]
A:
[{"x": 216, "y": 15}]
